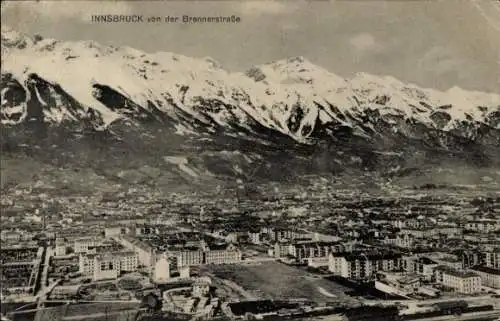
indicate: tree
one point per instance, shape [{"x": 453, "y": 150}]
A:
[{"x": 151, "y": 302}]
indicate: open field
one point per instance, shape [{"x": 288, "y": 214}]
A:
[{"x": 276, "y": 280}]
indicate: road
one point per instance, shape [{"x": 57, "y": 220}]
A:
[
  {"x": 42, "y": 295},
  {"x": 44, "y": 289},
  {"x": 45, "y": 272}
]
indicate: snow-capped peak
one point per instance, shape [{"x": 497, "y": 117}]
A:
[
  {"x": 295, "y": 71},
  {"x": 14, "y": 39},
  {"x": 292, "y": 96}
]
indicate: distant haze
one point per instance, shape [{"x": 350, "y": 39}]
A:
[{"x": 437, "y": 44}]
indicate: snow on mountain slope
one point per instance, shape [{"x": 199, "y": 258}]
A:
[
  {"x": 196, "y": 86},
  {"x": 364, "y": 91},
  {"x": 182, "y": 162},
  {"x": 296, "y": 70},
  {"x": 292, "y": 96}
]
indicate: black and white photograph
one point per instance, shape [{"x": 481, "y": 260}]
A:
[{"x": 217, "y": 160}]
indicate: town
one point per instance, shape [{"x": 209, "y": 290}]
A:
[{"x": 316, "y": 253}]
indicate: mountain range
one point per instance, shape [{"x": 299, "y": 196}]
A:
[{"x": 86, "y": 105}]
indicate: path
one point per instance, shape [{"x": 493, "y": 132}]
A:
[{"x": 326, "y": 293}]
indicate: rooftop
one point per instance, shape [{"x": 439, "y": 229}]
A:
[
  {"x": 425, "y": 260},
  {"x": 487, "y": 270},
  {"x": 369, "y": 255},
  {"x": 460, "y": 274}
]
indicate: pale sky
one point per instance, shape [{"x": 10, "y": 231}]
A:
[{"x": 440, "y": 43}]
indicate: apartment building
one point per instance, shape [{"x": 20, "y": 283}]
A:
[
  {"x": 280, "y": 249},
  {"x": 459, "y": 281},
  {"x": 492, "y": 258},
  {"x": 207, "y": 254},
  {"x": 60, "y": 247},
  {"x": 420, "y": 233},
  {"x": 111, "y": 231},
  {"x": 449, "y": 231},
  {"x": 284, "y": 234},
  {"x": 82, "y": 245},
  {"x": 107, "y": 265},
  {"x": 144, "y": 251},
  {"x": 469, "y": 258},
  {"x": 162, "y": 270},
  {"x": 308, "y": 249},
  {"x": 401, "y": 240},
  {"x": 145, "y": 229},
  {"x": 482, "y": 226},
  {"x": 422, "y": 266},
  {"x": 489, "y": 277},
  {"x": 224, "y": 254},
  {"x": 254, "y": 237},
  {"x": 451, "y": 262},
  {"x": 188, "y": 256},
  {"x": 13, "y": 237},
  {"x": 361, "y": 265}
]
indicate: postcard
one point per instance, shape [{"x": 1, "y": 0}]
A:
[{"x": 250, "y": 160}]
